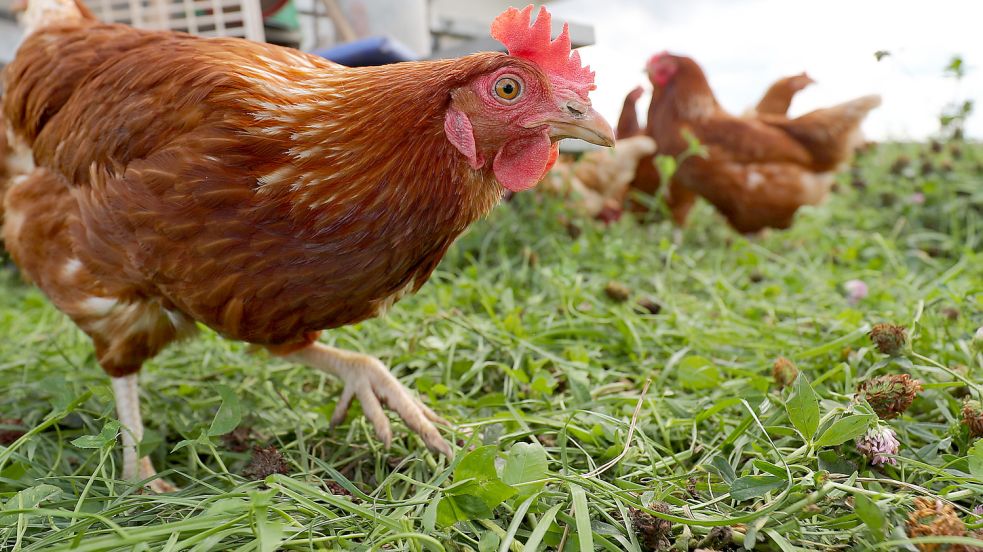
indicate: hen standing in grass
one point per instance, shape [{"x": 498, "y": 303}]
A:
[
  {"x": 760, "y": 171},
  {"x": 679, "y": 199},
  {"x": 161, "y": 179}
]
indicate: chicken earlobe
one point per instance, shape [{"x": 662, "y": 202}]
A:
[
  {"x": 368, "y": 379},
  {"x": 460, "y": 133}
]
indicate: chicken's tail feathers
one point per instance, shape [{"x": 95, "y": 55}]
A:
[
  {"x": 35, "y": 14},
  {"x": 628, "y": 121},
  {"x": 830, "y": 134},
  {"x": 861, "y": 106},
  {"x": 846, "y": 114}
]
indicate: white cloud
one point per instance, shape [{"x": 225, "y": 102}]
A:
[{"x": 743, "y": 46}]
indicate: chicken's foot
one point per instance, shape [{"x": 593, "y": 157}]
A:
[
  {"x": 127, "y": 392},
  {"x": 369, "y": 380}
]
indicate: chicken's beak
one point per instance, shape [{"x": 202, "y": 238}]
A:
[{"x": 577, "y": 120}]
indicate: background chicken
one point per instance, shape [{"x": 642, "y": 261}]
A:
[
  {"x": 758, "y": 172},
  {"x": 596, "y": 184},
  {"x": 679, "y": 199},
  {"x": 160, "y": 179}
]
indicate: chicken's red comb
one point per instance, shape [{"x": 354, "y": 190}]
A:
[
  {"x": 656, "y": 57},
  {"x": 512, "y": 28}
]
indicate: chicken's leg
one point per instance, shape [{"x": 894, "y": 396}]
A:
[
  {"x": 368, "y": 379},
  {"x": 127, "y": 392}
]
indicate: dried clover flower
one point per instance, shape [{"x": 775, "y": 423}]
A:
[
  {"x": 889, "y": 395},
  {"x": 653, "y": 532},
  {"x": 265, "y": 462},
  {"x": 973, "y": 417},
  {"x": 784, "y": 371},
  {"x": 932, "y": 517},
  {"x": 889, "y": 338}
]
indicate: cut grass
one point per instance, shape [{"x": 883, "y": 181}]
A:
[{"x": 515, "y": 340}]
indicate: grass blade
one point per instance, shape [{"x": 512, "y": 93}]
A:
[
  {"x": 585, "y": 535},
  {"x": 532, "y": 544}
]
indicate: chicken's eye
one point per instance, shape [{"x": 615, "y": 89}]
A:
[{"x": 508, "y": 88}]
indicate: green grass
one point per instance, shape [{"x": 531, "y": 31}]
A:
[{"x": 515, "y": 341}]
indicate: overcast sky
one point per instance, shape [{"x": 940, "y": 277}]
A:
[{"x": 744, "y": 45}]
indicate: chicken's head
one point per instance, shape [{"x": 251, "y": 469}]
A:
[
  {"x": 513, "y": 113},
  {"x": 662, "y": 67}
]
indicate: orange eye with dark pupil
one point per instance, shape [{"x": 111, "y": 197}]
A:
[{"x": 507, "y": 88}]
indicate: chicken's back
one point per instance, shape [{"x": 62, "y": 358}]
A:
[
  {"x": 757, "y": 176},
  {"x": 111, "y": 94},
  {"x": 830, "y": 134},
  {"x": 50, "y": 66}
]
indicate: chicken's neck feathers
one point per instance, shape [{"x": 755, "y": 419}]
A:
[
  {"x": 373, "y": 141},
  {"x": 687, "y": 98}
]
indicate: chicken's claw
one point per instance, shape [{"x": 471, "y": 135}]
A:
[
  {"x": 156, "y": 485},
  {"x": 160, "y": 486},
  {"x": 368, "y": 379},
  {"x": 375, "y": 387}
]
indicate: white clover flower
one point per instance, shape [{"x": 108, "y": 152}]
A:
[{"x": 856, "y": 290}]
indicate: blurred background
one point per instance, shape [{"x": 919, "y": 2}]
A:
[{"x": 742, "y": 45}]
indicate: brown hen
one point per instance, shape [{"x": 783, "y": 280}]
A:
[
  {"x": 758, "y": 172},
  {"x": 160, "y": 179}
]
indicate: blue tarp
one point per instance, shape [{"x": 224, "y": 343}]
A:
[{"x": 376, "y": 50}]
